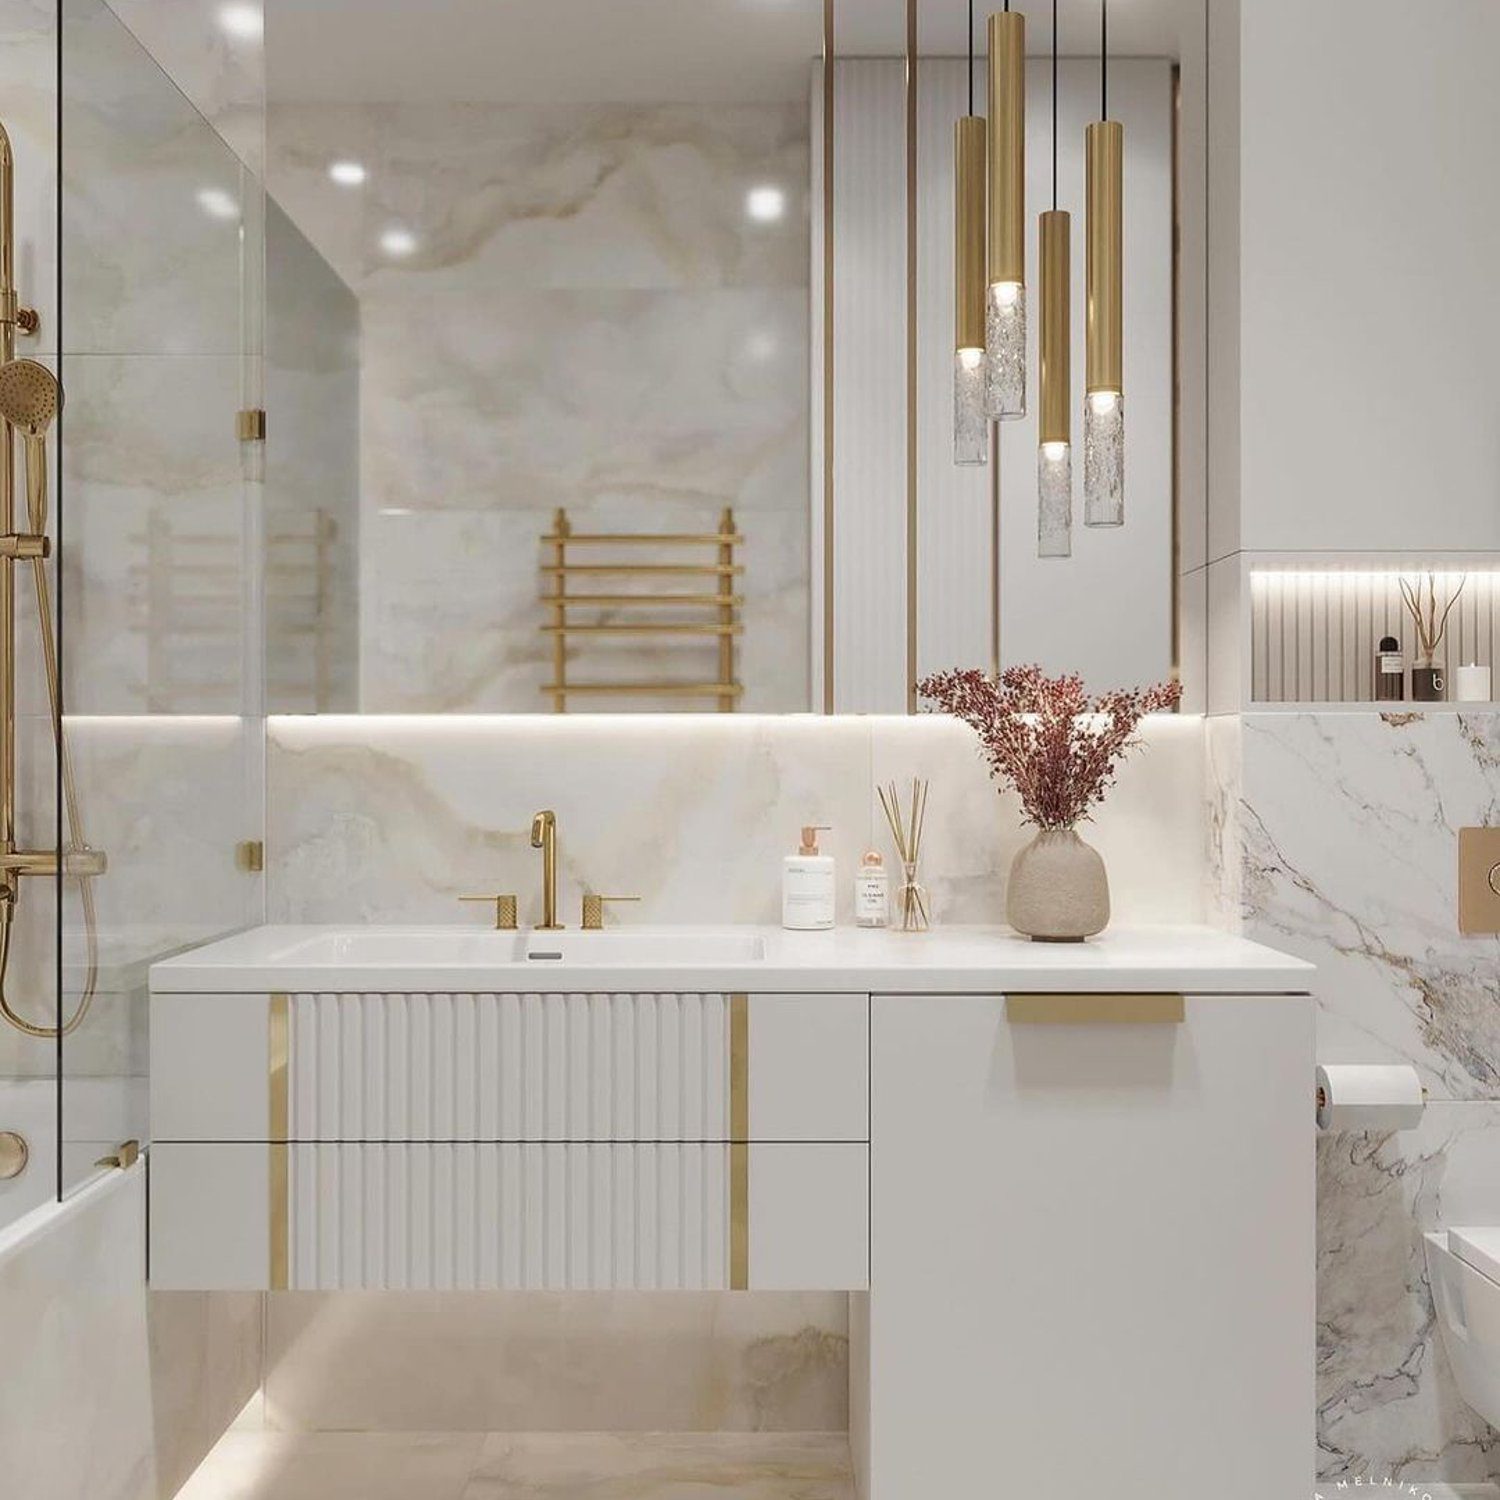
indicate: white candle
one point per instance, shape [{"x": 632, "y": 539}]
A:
[{"x": 1471, "y": 684}]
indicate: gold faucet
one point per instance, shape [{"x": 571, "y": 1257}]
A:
[{"x": 544, "y": 837}]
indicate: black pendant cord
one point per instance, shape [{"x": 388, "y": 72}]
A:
[
  {"x": 1103, "y": 59},
  {"x": 971, "y": 57},
  {"x": 1054, "y": 106}
]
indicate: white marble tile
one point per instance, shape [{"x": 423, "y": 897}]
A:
[
  {"x": 1349, "y": 827},
  {"x": 563, "y": 1361},
  {"x": 381, "y": 819},
  {"x": 146, "y": 269},
  {"x": 335, "y": 1466},
  {"x": 581, "y": 196},
  {"x": 811, "y": 1466},
  {"x": 1386, "y": 1400},
  {"x": 222, "y": 76}
]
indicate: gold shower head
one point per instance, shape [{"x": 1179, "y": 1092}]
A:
[{"x": 29, "y": 396}]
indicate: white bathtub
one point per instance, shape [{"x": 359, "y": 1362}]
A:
[{"x": 99, "y": 1113}]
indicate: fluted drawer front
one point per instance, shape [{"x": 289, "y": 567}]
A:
[
  {"x": 533, "y": 1067},
  {"x": 458, "y": 1216}
]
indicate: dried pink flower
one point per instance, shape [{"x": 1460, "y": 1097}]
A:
[{"x": 1046, "y": 737}]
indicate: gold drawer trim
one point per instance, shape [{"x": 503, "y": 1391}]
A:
[
  {"x": 1095, "y": 1010},
  {"x": 739, "y": 1143},
  {"x": 279, "y": 1121}
]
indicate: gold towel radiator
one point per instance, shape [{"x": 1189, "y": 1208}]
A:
[
  {"x": 719, "y": 605},
  {"x": 29, "y": 400}
]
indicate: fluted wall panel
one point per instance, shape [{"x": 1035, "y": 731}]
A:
[
  {"x": 491, "y": 1215},
  {"x": 501, "y": 1068}
]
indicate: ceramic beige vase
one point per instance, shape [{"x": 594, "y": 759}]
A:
[{"x": 1059, "y": 889}]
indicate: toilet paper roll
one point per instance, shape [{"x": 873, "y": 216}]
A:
[{"x": 1369, "y": 1096}]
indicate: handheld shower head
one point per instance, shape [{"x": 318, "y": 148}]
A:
[{"x": 29, "y": 396}]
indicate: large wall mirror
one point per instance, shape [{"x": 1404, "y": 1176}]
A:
[{"x": 610, "y": 355}]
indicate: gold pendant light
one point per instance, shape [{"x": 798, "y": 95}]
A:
[
  {"x": 1005, "y": 307},
  {"x": 1055, "y": 429},
  {"x": 971, "y": 428},
  {"x": 1104, "y": 406}
]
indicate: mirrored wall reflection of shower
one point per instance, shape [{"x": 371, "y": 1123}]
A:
[
  {"x": 1317, "y": 631},
  {"x": 30, "y": 399}
]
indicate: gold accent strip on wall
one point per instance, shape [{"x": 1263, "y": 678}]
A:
[
  {"x": 1176, "y": 627},
  {"x": 829, "y": 49},
  {"x": 911, "y": 356},
  {"x": 1095, "y": 1010},
  {"x": 278, "y": 1129},
  {"x": 739, "y": 1143}
]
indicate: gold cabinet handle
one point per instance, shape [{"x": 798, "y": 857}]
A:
[
  {"x": 1095, "y": 1010},
  {"x": 505, "y": 910},
  {"x": 593, "y": 909}
]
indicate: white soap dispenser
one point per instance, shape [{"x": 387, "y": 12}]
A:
[{"x": 807, "y": 886}]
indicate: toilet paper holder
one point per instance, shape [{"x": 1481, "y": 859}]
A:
[{"x": 1368, "y": 1097}]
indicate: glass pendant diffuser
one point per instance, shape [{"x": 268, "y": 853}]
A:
[
  {"x": 1055, "y": 434},
  {"x": 971, "y": 428},
  {"x": 1005, "y": 299},
  {"x": 1104, "y": 405}
]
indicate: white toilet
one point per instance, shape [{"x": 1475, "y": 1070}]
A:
[{"x": 1463, "y": 1266}]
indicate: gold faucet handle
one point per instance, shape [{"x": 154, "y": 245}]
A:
[
  {"x": 593, "y": 909},
  {"x": 505, "y": 910}
]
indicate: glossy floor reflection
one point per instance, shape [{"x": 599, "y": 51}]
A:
[{"x": 261, "y": 1465}]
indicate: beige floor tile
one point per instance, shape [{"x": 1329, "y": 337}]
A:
[
  {"x": 656, "y": 1466},
  {"x": 336, "y": 1466}
]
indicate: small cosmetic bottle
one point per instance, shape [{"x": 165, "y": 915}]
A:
[
  {"x": 1390, "y": 677},
  {"x": 807, "y": 886},
  {"x": 872, "y": 892}
]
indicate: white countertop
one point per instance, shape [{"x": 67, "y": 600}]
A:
[{"x": 947, "y": 960}]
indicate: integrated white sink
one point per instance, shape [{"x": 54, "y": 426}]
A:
[{"x": 444, "y": 947}]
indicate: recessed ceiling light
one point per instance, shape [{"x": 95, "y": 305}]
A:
[
  {"x": 244, "y": 22},
  {"x": 348, "y": 173},
  {"x": 765, "y": 204},
  {"x": 218, "y": 204},
  {"x": 398, "y": 241}
]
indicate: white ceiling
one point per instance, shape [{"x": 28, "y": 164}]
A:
[{"x": 531, "y": 51}]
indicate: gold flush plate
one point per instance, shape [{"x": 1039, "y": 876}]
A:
[{"x": 1479, "y": 881}]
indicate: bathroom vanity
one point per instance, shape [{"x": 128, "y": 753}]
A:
[{"x": 1070, "y": 1188}]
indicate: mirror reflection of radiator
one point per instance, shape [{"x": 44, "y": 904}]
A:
[{"x": 683, "y": 601}]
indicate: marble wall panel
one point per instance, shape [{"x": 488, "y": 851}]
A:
[
  {"x": 390, "y": 819},
  {"x": 1335, "y": 838}
]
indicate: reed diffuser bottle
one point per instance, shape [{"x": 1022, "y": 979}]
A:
[{"x": 913, "y": 913}]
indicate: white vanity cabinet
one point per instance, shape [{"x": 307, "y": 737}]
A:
[
  {"x": 547, "y": 1140},
  {"x": 1091, "y": 1247}
]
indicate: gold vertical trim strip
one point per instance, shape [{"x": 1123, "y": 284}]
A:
[
  {"x": 828, "y": 329},
  {"x": 739, "y": 1143},
  {"x": 1176, "y": 671},
  {"x": 911, "y": 356},
  {"x": 278, "y": 1129}
]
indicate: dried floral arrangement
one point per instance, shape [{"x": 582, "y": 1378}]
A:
[
  {"x": 1044, "y": 736},
  {"x": 1428, "y": 617}
]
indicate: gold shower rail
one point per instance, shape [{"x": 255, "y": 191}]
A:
[{"x": 721, "y": 604}]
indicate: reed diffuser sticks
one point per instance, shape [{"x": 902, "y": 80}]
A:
[{"x": 906, "y": 827}]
